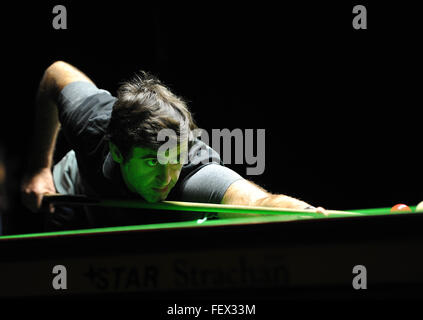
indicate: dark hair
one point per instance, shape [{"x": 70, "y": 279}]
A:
[{"x": 144, "y": 106}]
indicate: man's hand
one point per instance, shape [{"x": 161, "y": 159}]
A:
[
  {"x": 317, "y": 210},
  {"x": 34, "y": 187}
]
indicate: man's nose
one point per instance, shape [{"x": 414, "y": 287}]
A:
[{"x": 165, "y": 175}]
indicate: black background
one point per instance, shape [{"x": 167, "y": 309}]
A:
[{"x": 340, "y": 106}]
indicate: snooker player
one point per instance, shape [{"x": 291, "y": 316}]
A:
[{"x": 114, "y": 152}]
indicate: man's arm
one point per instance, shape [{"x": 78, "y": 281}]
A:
[
  {"x": 244, "y": 192},
  {"x": 38, "y": 179}
]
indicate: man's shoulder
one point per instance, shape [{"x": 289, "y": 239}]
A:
[
  {"x": 84, "y": 106},
  {"x": 85, "y": 116},
  {"x": 80, "y": 97},
  {"x": 99, "y": 103},
  {"x": 199, "y": 155}
]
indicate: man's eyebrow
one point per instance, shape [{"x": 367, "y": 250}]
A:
[{"x": 148, "y": 155}]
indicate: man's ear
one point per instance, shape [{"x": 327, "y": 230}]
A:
[{"x": 116, "y": 155}]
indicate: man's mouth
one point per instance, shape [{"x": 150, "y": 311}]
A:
[{"x": 162, "y": 190}]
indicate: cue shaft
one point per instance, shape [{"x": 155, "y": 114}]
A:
[{"x": 61, "y": 199}]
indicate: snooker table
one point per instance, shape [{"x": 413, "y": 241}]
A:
[{"x": 290, "y": 255}]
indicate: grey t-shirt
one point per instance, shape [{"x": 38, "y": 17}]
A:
[{"x": 84, "y": 112}]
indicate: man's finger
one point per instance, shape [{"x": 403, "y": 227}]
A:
[
  {"x": 321, "y": 210},
  {"x": 39, "y": 201}
]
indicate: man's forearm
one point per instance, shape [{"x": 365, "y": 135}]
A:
[
  {"x": 247, "y": 193},
  {"x": 46, "y": 127},
  {"x": 275, "y": 201},
  {"x": 281, "y": 201}
]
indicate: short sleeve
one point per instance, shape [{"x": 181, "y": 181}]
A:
[
  {"x": 84, "y": 113},
  {"x": 209, "y": 184},
  {"x": 72, "y": 96}
]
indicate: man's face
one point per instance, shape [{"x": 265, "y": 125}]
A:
[{"x": 144, "y": 174}]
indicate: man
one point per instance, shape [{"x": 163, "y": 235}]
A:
[{"x": 116, "y": 151}]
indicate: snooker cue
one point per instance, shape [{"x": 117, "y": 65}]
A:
[{"x": 62, "y": 199}]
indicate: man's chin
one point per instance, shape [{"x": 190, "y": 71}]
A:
[
  {"x": 162, "y": 197},
  {"x": 155, "y": 198},
  {"x": 152, "y": 199}
]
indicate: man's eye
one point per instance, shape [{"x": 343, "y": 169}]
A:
[{"x": 151, "y": 162}]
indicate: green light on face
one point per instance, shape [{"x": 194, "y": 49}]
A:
[{"x": 151, "y": 162}]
